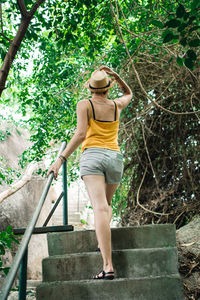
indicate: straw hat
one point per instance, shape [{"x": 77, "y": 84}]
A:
[{"x": 99, "y": 82}]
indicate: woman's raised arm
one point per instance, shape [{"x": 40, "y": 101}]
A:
[{"x": 123, "y": 101}]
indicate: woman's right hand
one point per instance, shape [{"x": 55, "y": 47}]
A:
[
  {"x": 109, "y": 71},
  {"x": 55, "y": 168}
]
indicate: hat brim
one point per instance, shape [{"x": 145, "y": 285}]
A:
[{"x": 87, "y": 85}]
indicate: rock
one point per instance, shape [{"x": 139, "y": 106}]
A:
[
  {"x": 17, "y": 210},
  {"x": 188, "y": 236},
  {"x": 188, "y": 239}
]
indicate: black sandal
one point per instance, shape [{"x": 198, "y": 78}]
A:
[
  {"x": 105, "y": 275},
  {"x": 109, "y": 275}
]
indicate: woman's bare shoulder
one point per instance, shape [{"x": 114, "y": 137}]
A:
[
  {"x": 83, "y": 105},
  {"x": 83, "y": 102}
]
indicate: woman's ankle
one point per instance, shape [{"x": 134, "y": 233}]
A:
[{"x": 108, "y": 268}]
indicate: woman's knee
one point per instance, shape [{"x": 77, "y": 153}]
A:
[{"x": 101, "y": 208}]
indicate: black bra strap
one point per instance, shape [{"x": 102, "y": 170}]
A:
[
  {"x": 92, "y": 109},
  {"x": 94, "y": 112},
  {"x": 115, "y": 110}
]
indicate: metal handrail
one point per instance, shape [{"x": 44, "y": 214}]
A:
[{"x": 7, "y": 285}]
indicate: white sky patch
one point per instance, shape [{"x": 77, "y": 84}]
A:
[{"x": 10, "y": 112}]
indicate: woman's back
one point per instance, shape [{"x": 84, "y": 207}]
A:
[{"x": 104, "y": 110}]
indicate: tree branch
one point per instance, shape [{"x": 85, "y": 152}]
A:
[
  {"x": 138, "y": 78},
  {"x": 9, "y": 40},
  {"x": 14, "y": 46},
  {"x": 22, "y": 8},
  {"x": 35, "y": 7},
  {"x": 138, "y": 202},
  {"x": 18, "y": 185},
  {"x": 147, "y": 151},
  {"x": 1, "y": 17}
]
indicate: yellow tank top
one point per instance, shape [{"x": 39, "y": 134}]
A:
[{"x": 102, "y": 134}]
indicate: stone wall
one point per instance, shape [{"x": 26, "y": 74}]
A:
[{"x": 18, "y": 209}]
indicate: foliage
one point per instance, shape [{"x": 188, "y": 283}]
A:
[
  {"x": 154, "y": 45},
  {"x": 156, "y": 40},
  {"x": 7, "y": 174},
  {"x": 162, "y": 148},
  {"x": 68, "y": 50},
  {"x": 4, "y": 134},
  {"x": 7, "y": 238},
  {"x": 184, "y": 28},
  {"x": 119, "y": 201}
]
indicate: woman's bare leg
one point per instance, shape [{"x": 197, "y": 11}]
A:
[
  {"x": 95, "y": 185},
  {"x": 110, "y": 190}
]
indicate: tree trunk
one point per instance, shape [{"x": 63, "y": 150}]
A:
[{"x": 15, "y": 44}]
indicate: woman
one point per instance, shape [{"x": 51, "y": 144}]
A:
[{"x": 101, "y": 164}]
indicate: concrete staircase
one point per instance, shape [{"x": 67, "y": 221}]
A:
[{"x": 144, "y": 258}]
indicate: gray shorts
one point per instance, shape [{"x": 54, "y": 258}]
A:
[{"x": 101, "y": 161}]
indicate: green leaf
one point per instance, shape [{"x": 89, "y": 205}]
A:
[
  {"x": 182, "y": 27},
  {"x": 173, "y": 23},
  {"x": 14, "y": 240},
  {"x": 191, "y": 54},
  {"x": 180, "y": 12},
  {"x": 195, "y": 4},
  {"x": 9, "y": 229},
  {"x": 194, "y": 28},
  {"x": 2, "y": 250},
  {"x": 194, "y": 43},
  {"x": 179, "y": 61},
  {"x": 50, "y": 34},
  {"x": 157, "y": 23},
  {"x": 191, "y": 19},
  {"x": 183, "y": 33},
  {"x": 168, "y": 37},
  {"x": 183, "y": 41},
  {"x": 5, "y": 270},
  {"x": 84, "y": 222},
  {"x": 189, "y": 63},
  {"x": 186, "y": 16},
  {"x": 170, "y": 60},
  {"x": 1, "y": 175}
]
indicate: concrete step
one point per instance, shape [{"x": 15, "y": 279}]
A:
[
  {"x": 146, "y": 236},
  {"x": 131, "y": 263},
  {"x": 72, "y": 218},
  {"x": 158, "y": 288}
]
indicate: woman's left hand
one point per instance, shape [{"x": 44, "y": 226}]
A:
[
  {"x": 109, "y": 71},
  {"x": 55, "y": 168}
]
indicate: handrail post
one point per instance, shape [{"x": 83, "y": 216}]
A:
[
  {"x": 65, "y": 206},
  {"x": 23, "y": 276}
]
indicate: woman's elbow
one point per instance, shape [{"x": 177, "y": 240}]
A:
[
  {"x": 129, "y": 97},
  {"x": 81, "y": 135},
  {"x": 130, "y": 94}
]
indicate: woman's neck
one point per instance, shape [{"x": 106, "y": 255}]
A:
[{"x": 101, "y": 97}]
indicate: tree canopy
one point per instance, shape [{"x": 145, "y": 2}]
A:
[{"x": 154, "y": 45}]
